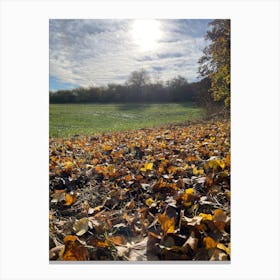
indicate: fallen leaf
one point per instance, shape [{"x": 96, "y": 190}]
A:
[
  {"x": 217, "y": 255},
  {"x": 58, "y": 196},
  {"x": 56, "y": 252},
  {"x": 167, "y": 224},
  {"x": 149, "y": 201},
  {"x": 74, "y": 250},
  {"x": 209, "y": 242},
  {"x": 191, "y": 242},
  {"x": 147, "y": 166},
  {"x": 224, "y": 248},
  {"x": 80, "y": 227},
  {"x": 219, "y": 219},
  {"x": 195, "y": 221},
  {"x": 70, "y": 199},
  {"x": 206, "y": 217}
]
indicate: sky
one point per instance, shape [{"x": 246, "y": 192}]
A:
[{"x": 85, "y": 52}]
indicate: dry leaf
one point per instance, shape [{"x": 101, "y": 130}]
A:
[
  {"x": 147, "y": 166},
  {"x": 70, "y": 199},
  {"x": 167, "y": 224},
  {"x": 191, "y": 242},
  {"x": 80, "y": 227},
  {"x": 206, "y": 217},
  {"x": 74, "y": 250},
  {"x": 58, "y": 196},
  {"x": 149, "y": 201},
  {"x": 192, "y": 221},
  {"x": 209, "y": 242},
  {"x": 219, "y": 219},
  {"x": 217, "y": 255}
]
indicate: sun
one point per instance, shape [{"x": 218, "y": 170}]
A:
[{"x": 146, "y": 33}]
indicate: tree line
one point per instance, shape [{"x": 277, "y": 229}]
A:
[{"x": 138, "y": 88}]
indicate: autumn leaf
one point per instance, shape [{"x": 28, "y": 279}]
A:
[
  {"x": 117, "y": 240},
  {"x": 227, "y": 160},
  {"x": 70, "y": 199},
  {"x": 107, "y": 148},
  {"x": 217, "y": 255},
  {"x": 224, "y": 248},
  {"x": 147, "y": 166},
  {"x": 58, "y": 196},
  {"x": 167, "y": 224},
  {"x": 194, "y": 221},
  {"x": 149, "y": 201},
  {"x": 209, "y": 242},
  {"x": 197, "y": 171},
  {"x": 74, "y": 250},
  {"x": 219, "y": 219},
  {"x": 80, "y": 227},
  {"x": 192, "y": 241},
  {"x": 206, "y": 217}
]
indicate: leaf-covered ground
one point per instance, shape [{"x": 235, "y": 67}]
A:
[{"x": 148, "y": 194}]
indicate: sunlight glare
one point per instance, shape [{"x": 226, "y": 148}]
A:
[{"x": 146, "y": 33}]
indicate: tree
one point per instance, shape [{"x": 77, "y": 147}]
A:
[
  {"x": 215, "y": 62},
  {"x": 178, "y": 87},
  {"x": 138, "y": 80}
]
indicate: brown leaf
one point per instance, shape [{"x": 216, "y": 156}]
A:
[
  {"x": 58, "y": 196},
  {"x": 219, "y": 219},
  {"x": 74, "y": 250}
]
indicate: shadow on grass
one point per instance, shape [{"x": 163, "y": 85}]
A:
[
  {"x": 143, "y": 106},
  {"x": 133, "y": 106}
]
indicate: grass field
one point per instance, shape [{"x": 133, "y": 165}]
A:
[{"x": 71, "y": 119}]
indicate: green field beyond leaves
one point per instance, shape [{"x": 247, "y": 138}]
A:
[{"x": 78, "y": 119}]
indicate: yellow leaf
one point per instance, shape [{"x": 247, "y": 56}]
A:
[
  {"x": 167, "y": 224},
  {"x": 107, "y": 148},
  {"x": 222, "y": 164},
  {"x": 149, "y": 201},
  {"x": 187, "y": 204},
  {"x": 186, "y": 167},
  {"x": 147, "y": 166},
  {"x": 68, "y": 165},
  {"x": 206, "y": 217},
  {"x": 224, "y": 248},
  {"x": 189, "y": 191}
]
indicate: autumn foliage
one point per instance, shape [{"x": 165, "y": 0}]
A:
[{"x": 148, "y": 194}]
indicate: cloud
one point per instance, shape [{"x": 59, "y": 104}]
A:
[{"x": 98, "y": 52}]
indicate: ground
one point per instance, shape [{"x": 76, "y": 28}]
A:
[{"x": 159, "y": 193}]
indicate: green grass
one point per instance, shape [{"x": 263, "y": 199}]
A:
[{"x": 71, "y": 119}]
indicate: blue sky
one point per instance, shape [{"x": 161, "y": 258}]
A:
[{"x": 97, "y": 52}]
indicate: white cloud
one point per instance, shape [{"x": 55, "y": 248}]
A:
[{"x": 87, "y": 52}]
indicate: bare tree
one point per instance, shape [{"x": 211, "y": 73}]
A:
[{"x": 138, "y": 80}]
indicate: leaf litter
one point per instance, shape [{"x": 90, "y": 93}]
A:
[{"x": 143, "y": 195}]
